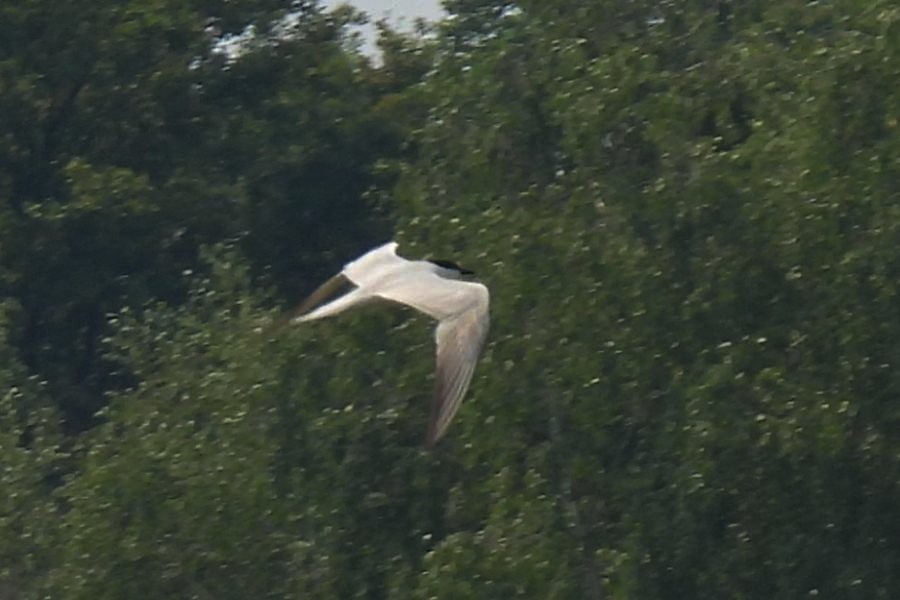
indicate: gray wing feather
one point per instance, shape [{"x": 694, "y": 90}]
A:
[
  {"x": 435, "y": 296},
  {"x": 459, "y": 342},
  {"x": 321, "y": 293}
]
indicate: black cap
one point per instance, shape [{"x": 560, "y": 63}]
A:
[{"x": 449, "y": 264}]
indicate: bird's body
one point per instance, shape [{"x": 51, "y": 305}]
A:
[{"x": 433, "y": 288}]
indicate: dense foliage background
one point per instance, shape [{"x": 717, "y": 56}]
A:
[{"x": 688, "y": 214}]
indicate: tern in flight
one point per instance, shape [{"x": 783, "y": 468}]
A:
[{"x": 433, "y": 287}]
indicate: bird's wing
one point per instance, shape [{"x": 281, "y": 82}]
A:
[
  {"x": 371, "y": 266},
  {"x": 459, "y": 342},
  {"x": 430, "y": 293},
  {"x": 354, "y": 272},
  {"x": 320, "y": 294},
  {"x": 317, "y": 297},
  {"x": 461, "y": 307}
]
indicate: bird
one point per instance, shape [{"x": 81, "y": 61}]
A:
[{"x": 434, "y": 287}]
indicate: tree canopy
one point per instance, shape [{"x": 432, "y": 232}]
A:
[{"x": 688, "y": 215}]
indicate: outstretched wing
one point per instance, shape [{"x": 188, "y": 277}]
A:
[
  {"x": 459, "y": 342},
  {"x": 324, "y": 291},
  {"x": 357, "y": 272},
  {"x": 371, "y": 266},
  {"x": 437, "y": 297}
]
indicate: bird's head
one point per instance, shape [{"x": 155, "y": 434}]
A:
[{"x": 451, "y": 268}]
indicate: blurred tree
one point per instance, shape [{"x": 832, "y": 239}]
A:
[
  {"x": 686, "y": 327},
  {"x": 135, "y": 132},
  {"x": 245, "y": 467},
  {"x": 687, "y": 214},
  {"x": 32, "y": 464}
]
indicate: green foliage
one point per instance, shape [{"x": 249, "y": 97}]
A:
[
  {"x": 134, "y": 138},
  {"x": 680, "y": 286},
  {"x": 688, "y": 215},
  {"x": 30, "y": 469},
  {"x": 244, "y": 467},
  {"x": 175, "y": 482}
]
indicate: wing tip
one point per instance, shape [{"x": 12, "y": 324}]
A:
[
  {"x": 431, "y": 433},
  {"x": 390, "y": 245},
  {"x": 432, "y": 437},
  {"x": 436, "y": 429}
]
